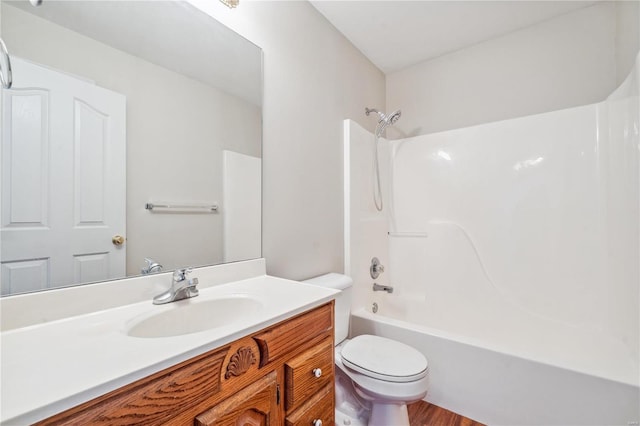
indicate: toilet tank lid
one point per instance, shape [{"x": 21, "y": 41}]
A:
[{"x": 331, "y": 280}]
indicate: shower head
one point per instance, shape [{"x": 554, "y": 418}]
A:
[
  {"x": 393, "y": 117},
  {"x": 383, "y": 119}
]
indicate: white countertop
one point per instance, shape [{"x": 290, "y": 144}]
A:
[{"x": 48, "y": 368}]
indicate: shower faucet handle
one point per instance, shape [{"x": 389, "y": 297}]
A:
[{"x": 376, "y": 268}]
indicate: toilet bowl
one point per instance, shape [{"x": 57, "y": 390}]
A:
[
  {"x": 383, "y": 375},
  {"x": 386, "y": 373}
]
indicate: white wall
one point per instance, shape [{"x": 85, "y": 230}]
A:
[
  {"x": 563, "y": 62},
  {"x": 627, "y": 37},
  {"x": 180, "y": 162},
  {"x": 314, "y": 79}
]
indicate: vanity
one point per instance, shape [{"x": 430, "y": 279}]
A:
[
  {"x": 250, "y": 348},
  {"x": 266, "y": 360}
]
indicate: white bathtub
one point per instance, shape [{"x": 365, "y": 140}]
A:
[{"x": 499, "y": 381}]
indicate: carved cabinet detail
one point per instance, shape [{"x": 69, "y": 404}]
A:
[{"x": 240, "y": 363}]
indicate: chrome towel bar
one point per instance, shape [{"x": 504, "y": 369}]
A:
[{"x": 182, "y": 208}]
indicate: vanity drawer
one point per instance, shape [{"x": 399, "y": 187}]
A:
[
  {"x": 308, "y": 372},
  {"x": 286, "y": 338},
  {"x": 320, "y": 407}
]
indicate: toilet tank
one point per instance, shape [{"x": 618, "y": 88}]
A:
[{"x": 343, "y": 300}]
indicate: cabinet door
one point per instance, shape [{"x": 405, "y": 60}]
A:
[
  {"x": 317, "y": 410},
  {"x": 255, "y": 405}
]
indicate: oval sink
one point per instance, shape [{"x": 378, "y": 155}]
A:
[{"x": 192, "y": 316}]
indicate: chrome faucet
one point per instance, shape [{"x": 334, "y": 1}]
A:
[
  {"x": 152, "y": 267},
  {"x": 181, "y": 288}
]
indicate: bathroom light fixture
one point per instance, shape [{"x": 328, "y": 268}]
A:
[{"x": 231, "y": 4}]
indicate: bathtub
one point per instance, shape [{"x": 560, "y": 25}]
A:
[
  {"x": 572, "y": 379},
  {"x": 513, "y": 251}
]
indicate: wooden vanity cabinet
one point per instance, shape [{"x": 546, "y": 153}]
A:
[
  {"x": 281, "y": 375},
  {"x": 255, "y": 405}
]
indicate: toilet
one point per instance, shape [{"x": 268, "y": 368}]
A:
[{"x": 376, "y": 377}]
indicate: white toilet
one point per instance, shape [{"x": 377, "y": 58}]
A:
[{"x": 376, "y": 377}]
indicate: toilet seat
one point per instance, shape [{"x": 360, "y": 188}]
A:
[
  {"x": 384, "y": 359},
  {"x": 382, "y": 391}
]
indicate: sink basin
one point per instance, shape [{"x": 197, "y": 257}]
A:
[{"x": 193, "y": 316}]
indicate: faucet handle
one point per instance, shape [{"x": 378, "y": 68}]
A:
[
  {"x": 376, "y": 268},
  {"x": 151, "y": 266},
  {"x": 147, "y": 267},
  {"x": 181, "y": 274}
]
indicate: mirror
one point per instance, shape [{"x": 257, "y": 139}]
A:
[{"x": 117, "y": 109}]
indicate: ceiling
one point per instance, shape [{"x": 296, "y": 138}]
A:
[
  {"x": 396, "y": 34},
  {"x": 173, "y": 35}
]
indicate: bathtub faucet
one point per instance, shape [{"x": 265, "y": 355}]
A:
[{"x": 378, "y": 287}]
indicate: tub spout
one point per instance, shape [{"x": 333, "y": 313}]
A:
[{"x": 378, "y": 287}]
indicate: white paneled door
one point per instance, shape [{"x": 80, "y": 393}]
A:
[{"x": 63, "y": 180}]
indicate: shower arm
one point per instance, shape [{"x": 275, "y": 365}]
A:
[{"x": 381, "y": 116}]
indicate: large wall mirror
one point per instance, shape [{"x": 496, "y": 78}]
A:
[{"x": 132, "y": 131}]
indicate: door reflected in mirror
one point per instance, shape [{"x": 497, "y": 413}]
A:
[{"x": 115, "y": 106}]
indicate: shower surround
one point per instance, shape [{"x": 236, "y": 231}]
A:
[{"x": 513, "y": 249}]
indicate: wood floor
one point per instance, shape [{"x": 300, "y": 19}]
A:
[{"x": 424, "y": 414}]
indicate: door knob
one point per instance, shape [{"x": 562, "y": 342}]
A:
[{"x": 118, "y": 240}]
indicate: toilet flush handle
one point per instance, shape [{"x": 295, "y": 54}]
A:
[{"x": 317, "y": 372}]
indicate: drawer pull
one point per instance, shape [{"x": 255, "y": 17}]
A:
[
  {"x": 317, "y": 372},
  {"x": 317, "y": 422}
]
